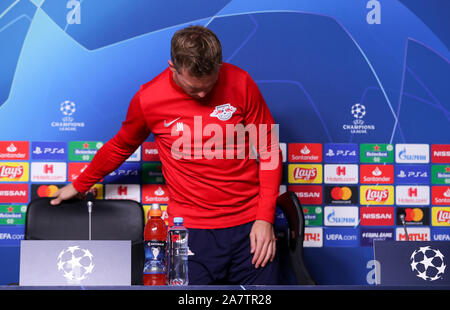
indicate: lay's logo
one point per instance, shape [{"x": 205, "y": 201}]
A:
[
  {"x": 14, "y": 172},
  {"x": 440, "y": 216},
  {"x": 305, "y": 173},
  {"x": 11, "y": 172},
  {"x": 377, "y": 195},
  {"x": 443, "y": 217}
]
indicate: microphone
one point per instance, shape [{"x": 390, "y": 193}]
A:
[
  {"x": 402, "y": 215},
  {"x": 90, "y": 203}
]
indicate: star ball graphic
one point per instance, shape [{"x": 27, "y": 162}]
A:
[
  {"x": 428, "y": 263},
  {"x": 67, "y": 108},
  {"x": 75, "y": 264},
  {"x": 358, "y": 111}
]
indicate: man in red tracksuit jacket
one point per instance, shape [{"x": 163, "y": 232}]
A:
[{"x": 208, "y": 119}]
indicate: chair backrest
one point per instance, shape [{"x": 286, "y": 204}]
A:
[
  {"x": 110, "y": 220},
  {"x": 289, "y": 203}
]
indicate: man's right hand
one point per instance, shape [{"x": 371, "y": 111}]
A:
[{"x": 64, "y": 193}]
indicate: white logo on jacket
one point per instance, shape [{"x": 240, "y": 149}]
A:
[{"x": 223, "y": 112}]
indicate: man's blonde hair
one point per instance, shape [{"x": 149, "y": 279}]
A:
[{"x": 196, "y": 49}]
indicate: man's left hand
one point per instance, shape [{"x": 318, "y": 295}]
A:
[{"x": 262, "y": 243}]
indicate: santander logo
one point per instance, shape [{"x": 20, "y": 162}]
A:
[
  {"x": 11, "y": 172},
  {"x": 377, "y": 195},
  {"x": 441, "y": 195},
  {"x": 16, "y": 150},
  {"x": 159, "y": 192},
  {"x": 305, "y": 174},
  {"x": 447, "y": 193},
  {"x": 12, "y": 148},
  {"x": 305, "y": 150},
  {"x": 377, "y": 172}
]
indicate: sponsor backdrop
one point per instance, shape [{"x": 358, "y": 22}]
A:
[{"x": 359, "y": 88}]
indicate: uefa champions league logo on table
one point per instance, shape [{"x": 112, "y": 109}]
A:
[
  {"x": 428, "y": 264},
  {"x": 75, "y": 264}
]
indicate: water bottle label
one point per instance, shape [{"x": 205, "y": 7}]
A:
[
  {"x": 155, "y": 257},
  {"x": 181, "y": 252}
]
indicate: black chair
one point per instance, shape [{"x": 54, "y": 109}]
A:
[
  {"x": 290, "y": 205},
  {"x": 111, "y": 220}
]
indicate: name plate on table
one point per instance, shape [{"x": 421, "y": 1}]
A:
[
  {"x": 413, "y": 262},
  {"x": 75, "y": 262}
]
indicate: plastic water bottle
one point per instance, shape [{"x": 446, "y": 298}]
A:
[
  {"x": 178, "y": 253},
  {"x": 155, "y": 246}
]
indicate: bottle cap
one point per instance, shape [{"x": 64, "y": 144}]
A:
[
  {"x": 178, "y": 220},
  {"x": 155, "y": 210}
]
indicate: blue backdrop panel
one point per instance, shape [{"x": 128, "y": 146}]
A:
[{"x": 313, "y": 60}]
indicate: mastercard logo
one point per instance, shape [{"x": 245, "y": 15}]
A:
[
  {"x": 47, "y": 190},
  {"x": 413, "y": 215},
  {"x": 341, "y": 193}
]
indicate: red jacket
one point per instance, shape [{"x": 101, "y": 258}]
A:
[{"x": 210, "y": 184}]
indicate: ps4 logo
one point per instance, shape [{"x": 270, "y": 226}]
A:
[
  {"x": 128, "y": 173},
  {"x": 412, "y": 174},
  {"x": 123, "y": 172},
  {"x": 38, "y": 150},
  {"x": 49, "y": 150},
  {"x": 341, "y": 152}
]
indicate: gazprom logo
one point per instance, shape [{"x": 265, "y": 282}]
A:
[
  {"x": 403, "y": 155},
  {"x": 341, "y": 216},
  {"x": 412, "y": 153}
]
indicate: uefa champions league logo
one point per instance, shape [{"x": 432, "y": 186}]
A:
[
  {"x": 75, "y": 264},
  {"x": 67, "y": 122},
  {"x": 428, "y": 264},
  {"x": 67, "y": 108},
  {"x": 358, "y": 111}
]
